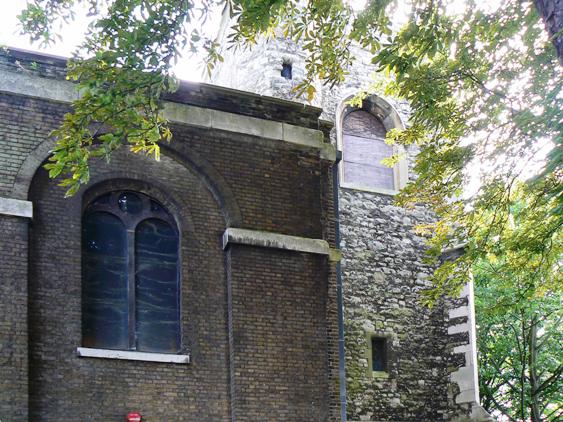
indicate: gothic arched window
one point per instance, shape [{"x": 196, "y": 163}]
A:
[
  {"x": 130, "y": 277},
  {"x": 363, "y": 137}
]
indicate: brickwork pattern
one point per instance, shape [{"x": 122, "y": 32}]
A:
[
  {"x": 159, "y": 391},
  {"x": 279, "y": 335},
  {"x": 26, "y": 123},
  {"x": 13, "y": 318},
  {"x": 329, "y": 234},
  {"x": 273, "y": 186}
]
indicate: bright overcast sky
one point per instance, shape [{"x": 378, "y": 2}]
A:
[{"x": 188, "y": 68}]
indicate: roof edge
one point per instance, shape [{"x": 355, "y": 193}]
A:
[{"x": 197, "y": 93}]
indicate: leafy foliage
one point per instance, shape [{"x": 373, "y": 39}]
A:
[
  {"x": 519, "y": 315},
  {"x": 122, "y": 71},
  {"x": 484, "y": 85}
]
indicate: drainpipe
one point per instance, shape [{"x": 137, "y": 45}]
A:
[{"x": 339, "y": 295}]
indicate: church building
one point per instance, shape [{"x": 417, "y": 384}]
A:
[{"x": 258, "y": 272}]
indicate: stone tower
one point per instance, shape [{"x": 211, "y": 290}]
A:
[{"x": 403, "y": 361}]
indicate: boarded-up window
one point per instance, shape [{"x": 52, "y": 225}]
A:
[{"x": 364, "y": 147}]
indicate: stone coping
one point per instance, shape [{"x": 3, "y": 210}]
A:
[
  {"x": 28, "y": 84},
  {"x": 16, "y": 207},
  {"x": 223, "y": 98},
  {"x": 370, "y": 189},
  {"x": 279, "y": 241}
]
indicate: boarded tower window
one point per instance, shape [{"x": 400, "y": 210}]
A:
[
  {"x": 364, "y": 144},
  {"x": 286, "y": 71}
]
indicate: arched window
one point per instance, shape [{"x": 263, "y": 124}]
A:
[
  {"x": 363, "y": 137},
  {"x": 130, "y": 277}
]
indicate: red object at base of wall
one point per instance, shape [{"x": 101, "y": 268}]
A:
[{"x": 133, "y": 417}]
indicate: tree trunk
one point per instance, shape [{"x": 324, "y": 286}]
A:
[
  {"x": 532, "y": 372},
  {"x": 551, "y": 12}
]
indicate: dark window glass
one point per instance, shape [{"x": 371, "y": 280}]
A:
[
  {"x": 286, "y": 71},
  {"x": 130, "y": 202},
  {"x": 130, "y": 275},
  {"x": 378, "y": 354},
  {"x": 156, "y": 249},
  {"x": 104, "y": 269},
  {"x": 103, "y": 200},
  {"x": 364, "y": 147}
]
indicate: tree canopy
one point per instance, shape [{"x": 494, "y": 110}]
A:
[
  {"x": 519, "y": 315},
  {"x": 519, "y": 340},
  {"x": 483, "y": 81}
]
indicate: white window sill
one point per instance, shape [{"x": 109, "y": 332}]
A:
[
  {"x": 129, "y": 355},
  {"x": 371, "y": 189},
  {"x": 380, "y": 374}
]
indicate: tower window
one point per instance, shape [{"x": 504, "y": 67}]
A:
[
  {"x": 286, "y": 71},
  {"x": 364, "y": 148},
  {"x": 378, "y": 354},
  {"x": 130, "y": 277}
]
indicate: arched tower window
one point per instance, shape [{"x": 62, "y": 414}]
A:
[
  {"x": 363, "y": 136},
  {"x": 130, "y": 276}
]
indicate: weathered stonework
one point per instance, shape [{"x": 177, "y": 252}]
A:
[{"x": 429, "y": 377}]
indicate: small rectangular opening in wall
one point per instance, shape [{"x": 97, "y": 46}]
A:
[
  {"x": 286, "y": 71},
  {"x": 378, "y": 354}
]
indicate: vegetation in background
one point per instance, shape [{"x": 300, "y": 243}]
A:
[
  {"x": 520, "y": 321},
  {"x": 484, "y": 84}
]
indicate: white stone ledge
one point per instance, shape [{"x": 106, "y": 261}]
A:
[
  {"x": 466, "y": 291},
  {"x": 129, "y": 355},
  {"x": 463, "y": 311},
  {"x": 464, "y": 378},
  {"x": 24, "y": 83},
  {"x": 16, "y": 207},
  {"x": 63, "y": 91},
  {"x": 455, "y": 248},
  {"x": 459, "y": 328},
  {"x": 464, "y": 348},
  {"x": 279, "y": 241},
  {"x": 466, "y": 396},
  {"x": 371, "y": 189}
]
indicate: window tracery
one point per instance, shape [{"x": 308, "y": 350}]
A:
[{"x": 130, "y": 275}]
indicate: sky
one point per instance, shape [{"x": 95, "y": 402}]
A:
[{"x": 187, "y": 68}]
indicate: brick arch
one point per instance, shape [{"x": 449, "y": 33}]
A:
[
  {"x": 29, "y": 167},
  {"x": 210, "y": 177},
  {"x": 153, "y": 189},
  {"x": 55, "y": 288},
  {"x": 213, "y": 180}
]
